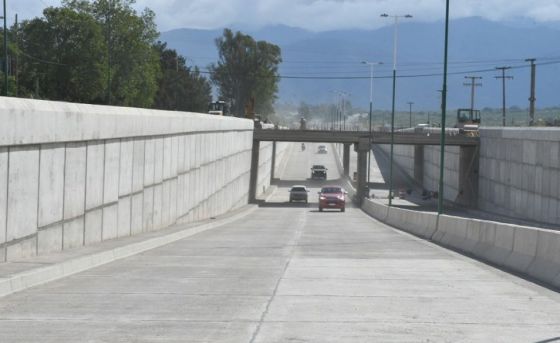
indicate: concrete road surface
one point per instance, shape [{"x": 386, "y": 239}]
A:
[{"x": 288, "y": 274}]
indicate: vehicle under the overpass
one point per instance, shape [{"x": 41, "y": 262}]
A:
[{"x": 362, "y": 142}]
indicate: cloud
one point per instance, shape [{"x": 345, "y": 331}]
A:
[{"x": 316, "y": 15}]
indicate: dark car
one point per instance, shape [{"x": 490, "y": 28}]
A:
[
  {"x": 322, "y": 149},
  {"x": 319, "y": 172},
  {"x": 332, "y": 197},
  {"x": 298, "y": 193}
]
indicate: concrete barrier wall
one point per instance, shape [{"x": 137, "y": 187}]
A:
[
  {"x": 404, "y": 158},
  {"x": 525, "y": 250},
  {"x": 520, "y": 173},
  {"x": 73, "y": 175},
  {"x": 265, "y": 163}
]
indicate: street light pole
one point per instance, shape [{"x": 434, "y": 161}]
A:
[
  {"x": 395, "y": 39},
  {"x": 371, "y": 65},
  {"x": 5, "y": 52},
  {"x": 443, "y": 111}
]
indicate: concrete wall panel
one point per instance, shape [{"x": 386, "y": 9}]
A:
[
  {"x": 23, "y": 192},
  {"x": 524, "y": 248},
  {"x": 93, "y": 226},
  {"x": 523, "y": 182},
  {"x": 75, "y": 180},
  {"x": 124, "y": 216},
  {"x": 137, "y": 216},
  {"x": 73, "y": 233},
  {"x": 149, "y": 162},
  {"x": 167, "y": 157},
  {"x": 22, "y": 249},
  {"x": 160, "y": 159},
  {"x": 51, "y": 184},
  {"x": 138, "y": 165},
  {"x": 148, "y": 210},
  {"x": 126, "y": 166},
  {"x": 49, "y": 240},
  {"x": 110, "y": 222},
  {"x": 158, "y": 206},
  {"x": 95, "y": 174},
  {"x": 3, "y": 196},
  {"x": 546, "y": 265},
  {"x": 111, "y": 179}
]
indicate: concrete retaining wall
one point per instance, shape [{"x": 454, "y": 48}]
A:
[
  {"x": 404, "y": 158},
  {"x": 525, "y": 250},
  {"x": 520, "y": 173},
  {"x": 265, "y": 163},
  {"x": 73, "y": 174}
]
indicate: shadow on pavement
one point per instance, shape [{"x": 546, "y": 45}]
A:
[
  {"x": 309, "y": 183},
  {"x": 286, "y": 204}
]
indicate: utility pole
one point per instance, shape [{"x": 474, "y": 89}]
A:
[
  {"x": 532, "y": 98},
  {"x": 109, "y": 52},
  {"x": 473, "y": 84},
  {"x": 504, "y": 78},
  {"x": 410, "y": 103},
  {"x": 17, "y": 57},
  {"x": 443, "y": 112},
  {"x": 5, "y": 53}
]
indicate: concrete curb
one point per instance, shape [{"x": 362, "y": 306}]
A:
[
  {"x": 24, "y": 280},
  {"x": 527, "y": 251}
]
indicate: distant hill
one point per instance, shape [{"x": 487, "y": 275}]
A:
[{"x": 475, "y": 44}]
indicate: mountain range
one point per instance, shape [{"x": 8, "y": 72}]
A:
[{"x": 315, "y": 64}]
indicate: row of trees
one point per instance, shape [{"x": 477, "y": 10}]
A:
[{"x": 105, "y": 52}]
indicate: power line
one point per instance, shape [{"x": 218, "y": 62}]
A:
[{"x": 489, "y": 70}]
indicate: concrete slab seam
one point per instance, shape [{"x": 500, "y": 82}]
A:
[{"x": 25, "y": 280}]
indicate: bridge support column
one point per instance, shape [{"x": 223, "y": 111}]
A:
[
  {"x": 468, "y": 176},
  {"x": 362, "y": 147},
  {"x": 346, "y": 159},
  {"x": 253, "y": 179},
  {"x": 273, "y": 163},
  {"x": 419, "y": 165}
]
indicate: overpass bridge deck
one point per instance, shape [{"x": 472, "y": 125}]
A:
[
  {"x": 288, "y": 273},
  {"x": 329, "y": 136}
]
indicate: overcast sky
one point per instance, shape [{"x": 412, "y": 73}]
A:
[{"x": 316, "y": 15}]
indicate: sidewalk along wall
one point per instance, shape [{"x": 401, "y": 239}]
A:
[
  {"x": 74, "y": 174},
  {"x": 525, "y": 250},
  {"x": 520, "y": 173}
]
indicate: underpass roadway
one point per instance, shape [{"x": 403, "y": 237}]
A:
[{"x": 288, "y": 273}]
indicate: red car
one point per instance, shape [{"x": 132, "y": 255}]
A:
[{"x": 332, "y": 197}]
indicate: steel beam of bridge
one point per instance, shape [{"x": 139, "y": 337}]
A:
[{"x": 401, "y": 138}]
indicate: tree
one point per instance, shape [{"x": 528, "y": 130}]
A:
[
  {"x": 132, "y": 62},
  {"x": 61, "y": 57},
  {"x": 131, "y": 58},
  {"x": 246, "y": 73},
  {"x": 180, "y": 88},
  {"x": 99, "y": 51}
]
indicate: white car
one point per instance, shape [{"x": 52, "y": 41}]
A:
[{"x": 322, "y": 149}]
